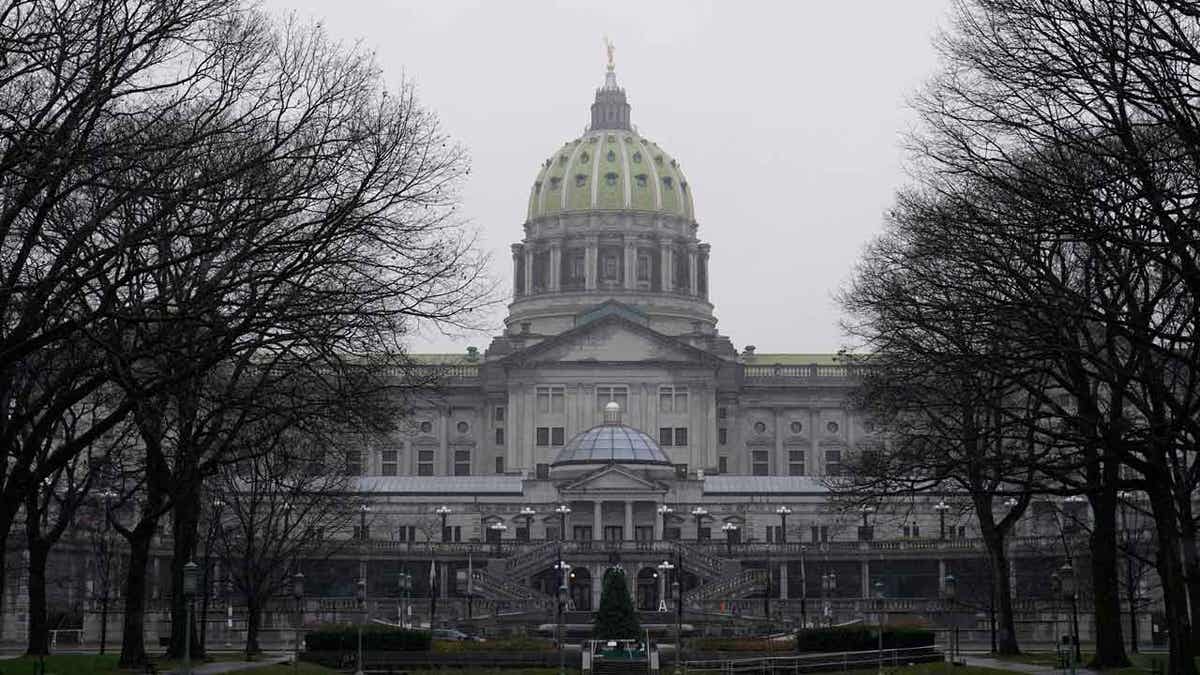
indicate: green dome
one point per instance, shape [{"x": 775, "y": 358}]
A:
[{"x": 611, "y": 170}]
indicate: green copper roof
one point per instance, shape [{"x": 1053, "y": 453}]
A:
[{"x": 610, "y": 170}]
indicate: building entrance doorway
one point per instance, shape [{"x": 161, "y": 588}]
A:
[
  {"x": 647, "y": 589},
  {"x": 580, "y": 589}
]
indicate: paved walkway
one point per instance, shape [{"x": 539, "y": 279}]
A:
[
  {"x": 983, "y": 662},
  {"x": 234, "y": 666}
]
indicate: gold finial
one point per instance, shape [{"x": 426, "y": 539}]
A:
[{"x": 608, "y": 46}]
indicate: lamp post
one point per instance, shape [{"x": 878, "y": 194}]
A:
[
  {"x": 941, "y": 507},
  {"x": 363, "y": 510},
  {"x": 360, "y": 595},
  {"x": 1066, "y": 574},
  {"x": 730, "y": 530},
  {"x": 1011, "y": 503},
  {"x": 1132, "y": 542},
  {"x": 562, "y": 510},
  {"x": 664, "y": 573},
  {"x": 444, "y": 511},
  {"x": 498, "y": 528},
  {"x": 298, "y": 593},
  {"x": 699, "y": 513},
  {"x": 405, "y": 588},
  {"x": 865, "y": 532},
  {"x": 882, "y": 619},
  {"x": 803, "y": 589},
  {"x": 950, "y": 592},
  {"x": 108, "y": 495},
  {"x": 217, "y": 505},
  {"x": 677, "y": 590},
  {"x": 562, "y": 568},
  {"x": 191, "y": 573},
  {"x": 665, "y": 512},
  {"x": 528, "y": 514},
  {"x": 784, "y": 512}
]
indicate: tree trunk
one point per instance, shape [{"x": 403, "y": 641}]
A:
[
  {"x": 1006, "y": 634},
  {"x": 1106, "y": 584},
  {"x": 1168, "y": 560},
  {"x": 185, "y": 523},
  {"x": 253, "y": 619},
  {"x": 133, "y": 639},
  {"x": 39, "y": 642},
  {"x": 1191, "y": 567}
]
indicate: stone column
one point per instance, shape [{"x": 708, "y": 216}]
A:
[
  {"x": 597, "y": 581},
  {"x": 704, "y": 248},
  {"x": 658, "y": 524},
  {"x": 781, "y": 460},
  {"x": 597, "y": 520},
  {"x": 693, "y": 281},
  {"x": 783, "y": 581},
  {"x": 590, "y": 259},
  {"x": 941, "y": 577},
  {"x": 664, "y": 249},
  {"x": 628, "y": 531},
  {"x": 630, "y": 264},
  {"x": 528, "y": 270},
  {"x": 555, "y": 266},
  {"x": 517, "y": 279},
  {"x": 866, "y": 579}
]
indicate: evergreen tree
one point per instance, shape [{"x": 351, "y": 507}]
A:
[{"x": 616, "y": 619}]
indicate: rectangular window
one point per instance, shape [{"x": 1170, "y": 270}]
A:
[
  {"x": 500, "y": 464},
  {"x": 542, "y": 437},
  {"x": 388, "y": 462},
  {"x": 672, "y": 534},
  {"x": 722, "y": 436},
  {"x": 614, "y": 533},
  {"x": 551, "y": 400},
  {"x": 665, "y": 435},
  {"x": 406, "y": 533},
  {"x": 672, "y": 399},
  {"x": 425, "y": 462},
  {"x": 795, "y": 462},
  {"x": 542, "y": 471},
  {"x": 498, "y": 413},
  {"x": 551, "y": 533},
  {"x": 704, "y": 534},
  {"x": 522, "y": 533},
  {"x": 618, "y": 394},
  {"x": 500, "y": 436},
  {"x": 354, "y": 463},
  {"x": 760, "y": 463},
  {"x": 722, "y": 413},
  {"x": 722, "y": 465},
  {"x": 681, "y": 436},
  {"x": 462, "y": 462},
  {"x": 833, "y": 462},
  {"x": 557, "y": 435},
  {"x": 681, "y": 471},
  {"x": 643, "y": 533},
  {"x": 581, "y": 533}
]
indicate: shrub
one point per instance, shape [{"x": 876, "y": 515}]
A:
[
  {"x": 860, "y": 638},
  {"x": 504, "y": 645},
  {"x": 616, "y": 619},
  {"x": 741, "y": 645},
  {"x": 338, "y": 637}
]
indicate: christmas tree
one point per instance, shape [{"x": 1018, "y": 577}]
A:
[{"x": 616, "y": 619}]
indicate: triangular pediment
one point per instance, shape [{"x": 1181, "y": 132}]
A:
[
  {"x": 612, "y": 338},
  {"x": 612, "y": 479}
]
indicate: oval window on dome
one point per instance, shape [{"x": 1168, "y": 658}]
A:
[
  {"x": 612, "y": 156},
  {"x": 583, "y": 158},
  {"x": 658, "y": 159},
  {"x": 641, "y": 180},
  {"x": 580, "y": 179},
  {"x": 562, "y": 159},
  {"x": 637, "y": 157},
  {"x": 555, "y": 182},
  {"x": 667, "y": 182},
  {"x": 610, "y": 178}
]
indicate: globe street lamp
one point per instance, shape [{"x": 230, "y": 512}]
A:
[
  {"x": 363, "y": 510},
  {"x": 784, "y": 512},
  {"x": 406, "y": 583},
  {"x": 361, "y": 597},
  {"x": 562, "y": 510},
  {"x": 562, "y": 568},
  {"x": 882, "y": 619},
  {"x": 1066, "y": 575},
  {"x": 803, "y": 588},
  {"x": 528, "y": 514},
  {"x": 950, "y": 592},
  {"x": 699, "y": 513},
  {"x": 191, "y": 573},
  {"x": 665, "y": 512},
  {"x": 298, "y": 594},
  {"x": 108, "y": 495},
  {"x": 444, "y": 511},
  {"x": 498, "y": 529},
  {"x": 828, "y": 586},
  {"x": 941, "y": 507},
  {"x": 864, "y": 533},
  {"x": 664, "y": 572},
  {"x": 730, "y": 530}
]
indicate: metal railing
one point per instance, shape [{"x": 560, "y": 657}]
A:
[
  {"x": 817, "y": 662},
  {"x": 747, "y": 580},
  {"x": 777, "y": 371}
]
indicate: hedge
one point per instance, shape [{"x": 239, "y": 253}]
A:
[
  {"x": 516, "y": 645},
  {"x": 860, "y": 638},
  {"x": 740, "y": 645},
  {"x": 338, "y": 637}
]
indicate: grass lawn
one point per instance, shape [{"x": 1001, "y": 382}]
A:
[
  {"x": 1141, "y": 662},
  {"x": 94, "y": 664}
]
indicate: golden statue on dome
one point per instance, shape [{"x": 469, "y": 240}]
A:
[{"x": 610, "y": 48}]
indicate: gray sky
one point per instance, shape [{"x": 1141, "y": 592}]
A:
[{"x": 787, "y": 118}]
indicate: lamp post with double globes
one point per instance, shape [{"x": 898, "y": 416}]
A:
[
  {"x": 360, "y": 595},
  {"x": 665, "y": 512},
  {"x": 298, "y": 594},
  {"x": 882, "y": 618},
  {"x": 497, "y": 528},
  {"x": 1066, "y": 575},
  {"x": 191, "y": 574},
  {"x": 828, "y": 586},
  {"x": 562, "y": 510},
  {"x": 561, "y": 603},
  {"x": 730, "y": 530},
  {"x": 699, "y": 513},
  {"x": 406, "y": 581},
  {"x": 444, "y": 511},
  {"x": 664, "y": 573},
  {"x": 528, "y": 514},
  {"x": 941, "y": 507},
  {"x": 784, "y": 512}
]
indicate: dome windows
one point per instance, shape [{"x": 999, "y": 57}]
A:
[
  {"x": 610, "y": 138},
  {"x": 580, "y": 179},
  {"x": 637, "y": 157},
  {"x": 562, "y": 159},
  {"x": 537, "y": 187},
  {"x": 667, "y": 182},
  {"x": 555, "y": 182},
  {"x": 658, "y": 159},
  {"x": 641, "y": 180},
  {"x": 610, "y": 178},
  {"x": 583, "y": 157},
  {"x": 612, "y": 156}
]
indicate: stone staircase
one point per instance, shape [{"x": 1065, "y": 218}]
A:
[
  {"x": 737, "y": 586},
  {"x": 501, "y": 590},
  {"x": 532, "y": 561},
  {"x": 704, "y": 565}
]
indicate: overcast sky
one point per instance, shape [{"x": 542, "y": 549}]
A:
[{"x": 787, "y": 118}]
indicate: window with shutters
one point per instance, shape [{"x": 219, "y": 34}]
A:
[
  {"x": 722, "y": 465},
  {"x": 833, "y": 462},
  {"x": 665, "y": 436},
  {"x": 681, "y": 436},
  {"x": 498, "y": 413}
]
